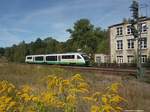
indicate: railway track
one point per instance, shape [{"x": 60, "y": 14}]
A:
[
  {"x": 106, "y": 71},
  {"x": 114, "y": 71}
]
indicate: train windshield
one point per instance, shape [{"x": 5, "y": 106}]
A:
[{"x": 85, "y": 57}]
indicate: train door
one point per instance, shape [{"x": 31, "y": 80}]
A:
[{"x": 59, "y": 58}]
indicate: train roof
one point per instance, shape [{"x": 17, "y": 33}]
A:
[
  {"x": 66, "y": 53},
  {"x": 58, "y": 54},
  {"x": 36, "y": 55}
]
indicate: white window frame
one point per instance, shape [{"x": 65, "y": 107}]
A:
[
  {"x": 98, "y": 59},
  {"x": 143, "y": 27},
  {"x": 130, "y": 58},
  {"x": 130, "y": 43},
  {"x": 143, "y": 58},
  {"x": 119, "y": 59},
  {"x": 143, "y": 43},
  {"x": 119, "y": 30},
  {"x": 129, "y": 30},
  {"x": 105, "y": 59},
  {"x": 119, "y": 44}
]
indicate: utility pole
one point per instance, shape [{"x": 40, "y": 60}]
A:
[{"x": 136, "y": 31}]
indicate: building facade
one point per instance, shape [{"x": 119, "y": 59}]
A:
[
  {"x": 102, "y": 58},
  {"x": 123, "y": 46}
]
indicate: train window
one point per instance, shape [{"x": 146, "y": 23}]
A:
[
  {"x": 78, "y": 57},
  {"x": 68, "y": 57},
  {"x": 51, "y": 58},
  {"x": 85, "y": 57},
  {"x": 39, "y": 58},
  {"x": 29, "y": 57}
]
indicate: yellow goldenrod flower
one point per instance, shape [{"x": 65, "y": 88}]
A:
[
  {"x": 114, "y": 87},
  {"x": 90, "y": 99},
  {"x": 108, "y": 108},
  {"x": 96, "y": 96},
  {"x": 10, "y": 105},
  {"x": 119, "y": 109},
  {"x": 26, "y": 89},
  {"x": 35, "y": 99},
  {"x": 77, "y": 77},
  {"x": 65, "y": 82},
  {"x": 71, "y": 99},
  {"x": 95, "y": 108},
  {"x": 117, "y": 99},
  {"x": 60, "y": 94},
  {"x": 104, "y": 99}
]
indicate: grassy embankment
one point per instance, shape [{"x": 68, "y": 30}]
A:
[{"x": 137, "y": 93}]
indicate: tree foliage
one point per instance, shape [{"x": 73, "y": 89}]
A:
[
  {"x": 2, "y": 50},
  {"x": 88, "y": 38}
]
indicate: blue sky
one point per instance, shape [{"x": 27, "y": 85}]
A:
[{"x": 29, "y": 19}]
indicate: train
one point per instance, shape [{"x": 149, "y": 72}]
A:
[{"x": 59, "y": 59}]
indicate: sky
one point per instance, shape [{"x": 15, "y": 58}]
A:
[{"x": 31, "y": 19}]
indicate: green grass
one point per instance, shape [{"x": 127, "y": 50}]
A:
[{"x": 136, "y": 92}]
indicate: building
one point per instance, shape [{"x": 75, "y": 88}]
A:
[
  {"x": 102, "y": 58},
  {"x": 123, "y": 46}
]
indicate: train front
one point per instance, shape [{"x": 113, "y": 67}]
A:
[{"x": 86, "y": 59}]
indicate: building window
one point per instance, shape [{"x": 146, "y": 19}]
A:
[
  {"x": 98, "y": 59},
  {"x": 143, "y": 58},
  {"x": 105, "y": 59},
  {"x": 144, "y": 28},
  {"x": 143, "y": 43},
  {"x": 119, "y": 59},
  {"x": 119, "y": 31},
  {"x": 130, "y": 43},
  {"x": 119, "y": 44},
  {"x": 129, "y": 30},
  {"x": 130, "y": 58}
]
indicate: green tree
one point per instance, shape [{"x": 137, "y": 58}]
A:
[
  {"x": 2, "y": 51},
  {"x": 51, "y": 45},
  {"x": 38, "y": 47},
  {"x": 20, "y": 52},
  {"x": 86, "y": 37},
  {"x": 9, "y": 52}
]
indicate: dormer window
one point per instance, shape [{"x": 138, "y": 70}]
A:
[{"x": 119, "y": 31}]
